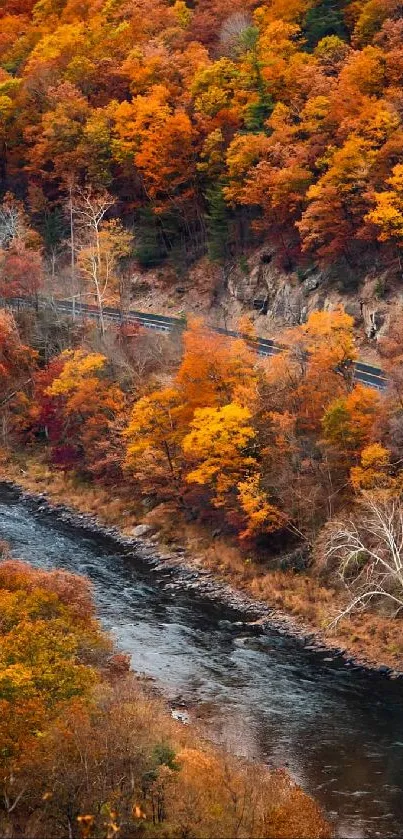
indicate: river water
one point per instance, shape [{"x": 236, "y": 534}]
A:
[{"x": 337, "y": 730}]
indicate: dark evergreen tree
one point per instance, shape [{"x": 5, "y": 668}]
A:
[
  {"x": 325, "y": 18},
  {"x": 150, "y": 250},
  {"x": 258, "y": 112},
  {"x": 218, "y": 225}
]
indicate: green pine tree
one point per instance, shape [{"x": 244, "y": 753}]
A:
[
  {"x": 218, "y": 227},
  {"x": 323, "y": 19}
]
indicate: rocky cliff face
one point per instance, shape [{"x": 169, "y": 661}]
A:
[
  {"x": 275, "y": 300},
  {"x": 280, "y": 300}
]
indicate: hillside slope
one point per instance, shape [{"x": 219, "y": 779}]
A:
[{"x": 219, "y": 128}]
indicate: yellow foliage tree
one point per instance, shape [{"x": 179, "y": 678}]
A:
[
  {"x": 262, "y": 516},
  {"x": 84, "y": 385},
  {"x": 315, "y": 367},
  {"x": 223, "y": 443},
  {"x": 154, "y": 435},
  {"x": 374, "y": 469},
  {"x": 219, "y": 440},
  {"x": 388, "y": 212},
  {"x": 78, "y": 366}
]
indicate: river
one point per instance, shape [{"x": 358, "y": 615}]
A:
[{"x": 338, "y": 730}]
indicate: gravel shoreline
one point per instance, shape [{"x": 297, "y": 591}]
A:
[{"x": 178, "y": 562}]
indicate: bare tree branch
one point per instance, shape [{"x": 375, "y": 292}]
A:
[{"x": 369, "y": 551}]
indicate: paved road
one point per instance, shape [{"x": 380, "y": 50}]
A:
[{"x": 365, "y": 373}]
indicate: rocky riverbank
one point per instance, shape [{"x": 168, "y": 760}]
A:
[{"x": 180, "y": 565}]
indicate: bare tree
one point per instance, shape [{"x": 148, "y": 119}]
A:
[
  {"x": 11, "y": 223},
  {"x": 72, "y": 250},
  {"x": 101, "y": 244},
  {"x": 369, "y": 552},
  {"x": 90, "y": 209},
  {"x": 232, "y": 30}
]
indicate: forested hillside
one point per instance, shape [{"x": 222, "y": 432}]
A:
[{"x": 210, "y": 125}]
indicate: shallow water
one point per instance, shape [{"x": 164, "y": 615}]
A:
[{"x": 338, "y": 730}]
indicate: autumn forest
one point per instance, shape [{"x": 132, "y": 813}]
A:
[
  {"x": 209, "y": 124},
  {"x": 144, "y": 138}
]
